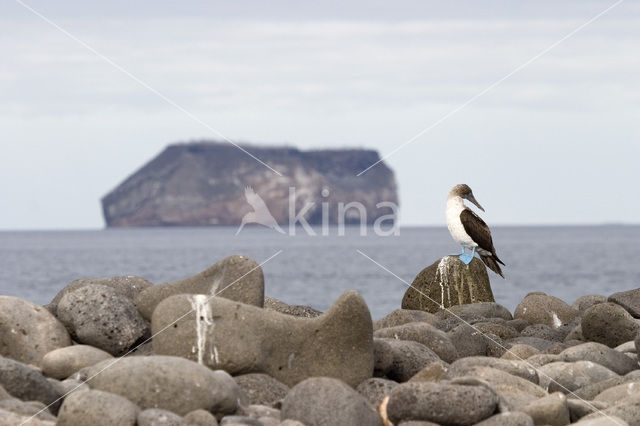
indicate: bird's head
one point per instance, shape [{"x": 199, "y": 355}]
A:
[{"x": 463, "y": 191}]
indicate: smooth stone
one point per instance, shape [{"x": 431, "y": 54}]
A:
[
  {"x": 27, "y": 383},
  {"x": 637, "y": 343},
  {"x": 431, "y": 373},
  {"x": 238, "y": 278},
  {"x": 520, "y": 352},
  {"x": 543, "y": 331},
  {"x": 538, "y": 343},
  {"x": 609, "y": 323},
  {"x": 592, "y": 390},
  {"x": 585, "y": 302},
  {"x": 290, "y": 422},
  {"x": 516, "y": 368},
  {"x": 158, "y": 417},
  {"x": 539, "y": 308},
  {"x": 4, "y": 394},
  {"x": 29, "y": 331},
  {"x": 550, "y": 410},
  {"x": 258, "y": 411},
  {"x": 441, "y": 403},
  {"x": 375, "y": 389},
  {"x": 408, "y": 358},
  {"x": 482, "y": 309},
  {"x": 616, "y": 393},
  {"x": 328, "y": 401},
  {"x": 575, "y": 334},
  {"x": 100, "y": 316},
  {"x": 199, "y": 418},
  {"x": 68, "y": 386},
  {"x": 417, "y": 423},
  {"x": 629, "y": 346},
  {"x": 31, "y": 408},
  {"x": 496, "y": 347},
  {"x": 129, "y": 286},
  {"x": 629, "y": 300},
  {"x": 600, "y": 354},
  {"x": 512, "y": 418},
  {"x": 448, "y": 282},
  {"x": 97, "y": 408},
  {"x": 539, "y": 360},
  {"x": 627, "y": 409},
  {"x": 239, "y": 421},
  {"x": 579, "y": 408},
  {"x": 519, "y": 324},
  {"x": 448, "y": 324},
  {"x": 268, "y": 342},
  {"x": 436, "y": 340},
  {"x": 569, "y": 376},
  {"x": 9, "y": 418},
  {"x": 261, "y": 388},
  {"x": 500, "y": 330},
  {"x": 274, "y": 304},
  {"x": 169, "y": 383},
  {"x": 603, "y": 421},
  {"x": 404, "y": 316},
  {"x": 468, "y": 341},
  {"x": 383, "y": 355},
  {"x": 62, "y": 363}
]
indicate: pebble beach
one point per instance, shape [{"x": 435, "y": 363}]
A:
[{"x": 215, "y": 349}]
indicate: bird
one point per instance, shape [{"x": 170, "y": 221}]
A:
[
  {"x": 260, "y": 214},
  {"x": 469, "y": 230}
]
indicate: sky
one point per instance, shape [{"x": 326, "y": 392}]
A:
[{"x": 545, "y": 128}]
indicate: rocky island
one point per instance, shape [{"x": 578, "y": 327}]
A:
[{"x": 203, "y": 184}]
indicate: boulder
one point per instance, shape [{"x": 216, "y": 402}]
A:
[
  {"x": 274, "y": 304},
  {"x": 431, "y": 373},
  {"x": 504, "y": 332},
  {"x": 62, "y": 363},
  {"x": 585, "y": 302},
  {"x": 520, "y": 352},
  {"x": 539, "y": 308},
  {"x": 543, "y": 331},
  {"x": 579, "y": 408},
  {"x": 404, "y": 316},
  {"x": 376, "y": 389},
  {"x": 609, "y": 323},
  {"x": 27, "y": 383},
  {"x": 516, "y": 368},
  {"x": 619, "y": 392},
  {"x": 600, "y": 354},
  {"x": 549, "y": 410},
  {"x": 337, "y": 344},
  {"x": 30, "y": 408},
  {"x": 199, "y": 418},
  {"x": 237, "y": 278},
  {"x": 383, "y": 355},
  {"x": 129, "y": 286},
  {"x": 567, "y": 377},
  {"x": 157, "y": 417},
  {"x": 629, "y": 300},
  {"x": 436, "y": 340},
  {"x": 483, "y": 309},
  {"x": 29, "y": 331},
  {"x": 441, "y": 403},
  {"x": 261, "y": 388},
  {"x": 511, "y": 418},
  {"x": 103, "y": 317},
  {"x": 96, "y": 408},
  {"x": 408, "y": 358},
  {"x": 169, "y": 383},
  {"x": 540, "y": 344},
  {"x": 448, "y": 282},
  {"x": 627, "y": 409},
  {"x": 9, "y": 418},
  {"x": 328, "y": 401},
  {"x": 469, "y": 341},
  {"x": 590, "y": 391}
]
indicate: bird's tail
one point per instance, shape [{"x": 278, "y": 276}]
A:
[{"x": 492, "y": 263}]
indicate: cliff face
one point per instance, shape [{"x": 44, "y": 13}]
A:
[{"x": 203, "y": 183}]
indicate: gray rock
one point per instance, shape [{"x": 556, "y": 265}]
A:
[
  {"x": 258, "y": 411},
  {"x": 482, "y": 309},
  {"x": 569, "y": 376},
  {"x": 539, "y": 360},
  {"x": 436, "y": 340},
  {"x": 558, "y": 348},
  {"x": 512, "y": 418},
  {"x": 27, "y": 384},
  {"x": 503, "y": 331},
  {"x": 496, "y": 347},
  {"x": 274, "y": 304},
  {"x": 579, "y": 408},
  {"x": 268, "y": 342},
  {"x": 129, "y": 286},
  {"x": 417, "y": 423},
  {"x": 408, "y": 358},
  {"x": 536, "y": 342},
  {"x": 609, "y": 323},
  {"x": 158, "y": 417},
  {"x": 31, "y": 408},
  {"x": 261, "y": 388},
  {"x": 520, "y": 352},
  {"x": 575, "y": 334},
  {"x": 62, "y": 363},
  {"x": 404, "y": 316},
  {"x": 627, "y": 409},
  {"x": 619, "y": 392},
  {"x": 199, "y": 418},
  {"x": 519, "y": 324},
  {"x": 239, "y": 421},
  {"x": 539, "y": 308},
  {"x": 4, "y": 394},
  {"x": 237, "y": 278},
  {"x": 9, "y": 418},
  {"x": 68, "y": 386},
  {"x": 441, "y": 403},
  {"x": 629, "y": 300},
  {"x": 629, "y": 346},
  {"x": 28, "y": 331},
  {"x": 585, "y": 302},
  {"x": 383, "y": 355},
  {"x": 590, "y": 391},
  {"x": 103, "y": 317},
  {"x": 543, "y": 331},
  {"x": 96, "y": 408},
  {"x": 431, "y": 373},
  {"x": 290, "y": 422},
  {"x": 169, "y": 383},
  {"x": 468, "y": 341},
  {"x": 600, "y": 354},
  {"x": 450, "y": 323},
  {"x": 516, "y": 368},
  {"x": 599, "y": 421},
  {"x": 549, "y": 410},
  {"x": 375, "y": 389},
  {"x": 448, "y": 282},
  {"x": 327, "y": 401}
]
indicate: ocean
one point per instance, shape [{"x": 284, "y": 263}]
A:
[{"x": 563, "y": 261}]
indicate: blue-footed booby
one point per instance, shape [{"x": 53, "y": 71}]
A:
[{"x": 469, "y": 230}]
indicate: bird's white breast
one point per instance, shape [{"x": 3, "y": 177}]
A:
[{"x": 455, "y": 205}]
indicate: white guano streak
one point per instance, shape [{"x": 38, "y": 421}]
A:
[
  {"x": 443, "y": 271},
  {"x": 204, "y": 320}
]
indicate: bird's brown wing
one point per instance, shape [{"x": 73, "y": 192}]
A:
[{"x": 477, "y": 230}]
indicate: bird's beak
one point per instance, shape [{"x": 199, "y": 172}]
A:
[{"x": 471, "y": 198}]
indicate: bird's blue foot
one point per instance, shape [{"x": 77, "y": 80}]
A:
[{"x": 466, "y": 258}]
